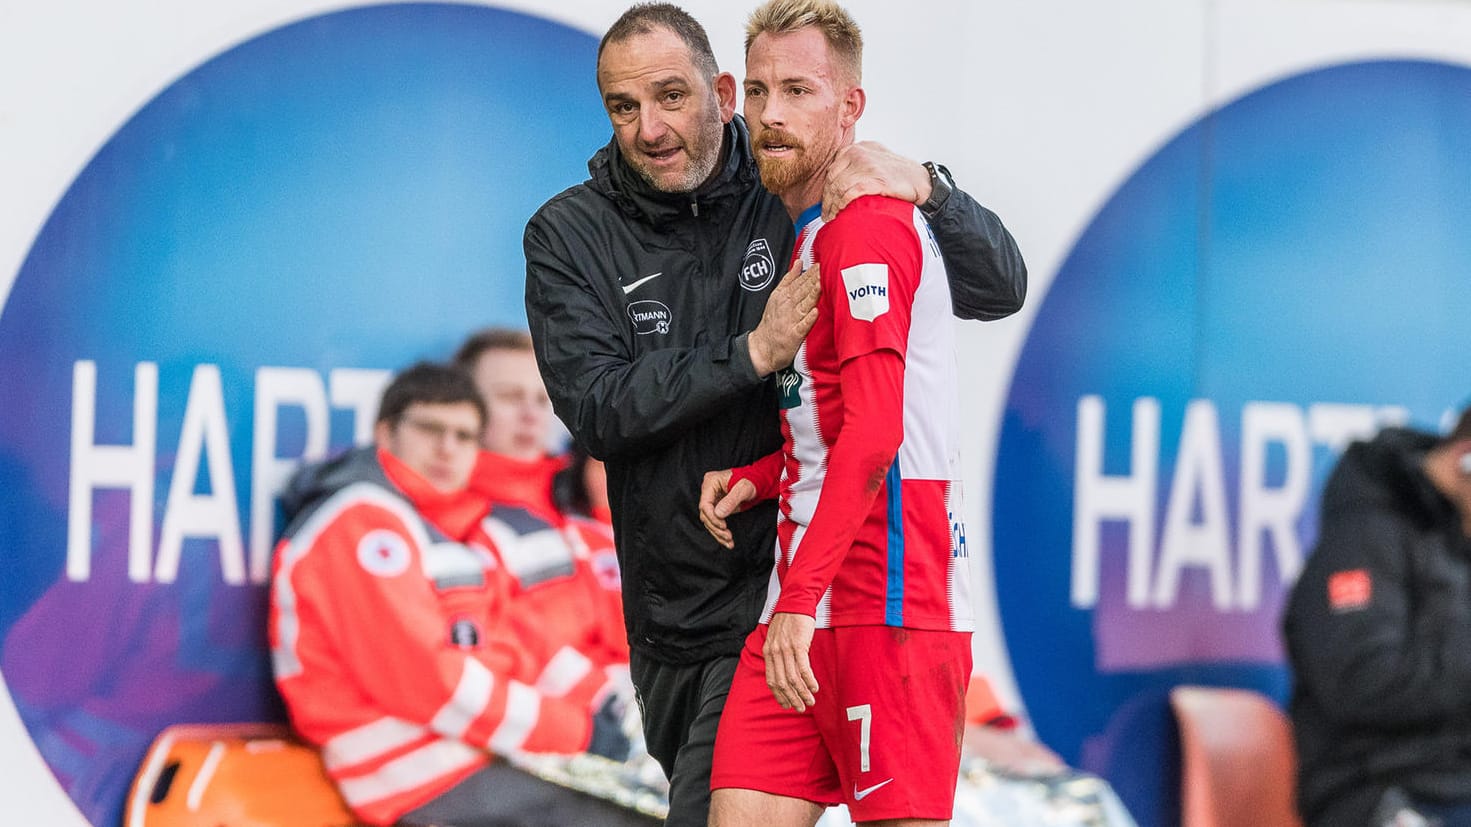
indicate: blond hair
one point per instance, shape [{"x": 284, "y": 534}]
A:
[{"x": 844, "y": 38}]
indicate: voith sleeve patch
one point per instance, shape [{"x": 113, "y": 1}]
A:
[{"x": 867, "y": 286}]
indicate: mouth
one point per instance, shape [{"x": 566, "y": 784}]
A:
[
  {"x": 662, "y": 156},
  {"x": 777, "y": 145}
]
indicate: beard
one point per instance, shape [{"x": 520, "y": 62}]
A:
[
  {"x": 702, "y": 150},
  {"x": 779, "y": 175}
]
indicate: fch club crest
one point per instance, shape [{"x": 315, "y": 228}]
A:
[{"x": 758, "y": 268}]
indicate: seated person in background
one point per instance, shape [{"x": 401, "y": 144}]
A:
[
  {"x": 1378, "y": 632},
  {"x": 565, "y": 572},
  {"x": 389, "y": 641}
]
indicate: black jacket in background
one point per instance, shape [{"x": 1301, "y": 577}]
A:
[
  {"x": 638, "y": 303},
  {"x": 1382, "y": 693}
]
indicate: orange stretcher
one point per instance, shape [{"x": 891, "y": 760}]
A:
[{"x": 233, "y": 775}]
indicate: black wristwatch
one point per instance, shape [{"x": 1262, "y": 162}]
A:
[{"x": 941, "y": 185}]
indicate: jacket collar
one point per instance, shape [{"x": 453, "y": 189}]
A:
[
  {"x": 456, "y": 513},
  {"x": 506, "y": 481},
  {"x": 613, "y": 177}
]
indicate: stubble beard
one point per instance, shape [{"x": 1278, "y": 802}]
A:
[
  {"x": 782, "y": 175},
  {"x": 703, "y": 154},
  {"x": 779, "y": 175}
]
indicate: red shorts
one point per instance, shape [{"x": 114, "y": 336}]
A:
[{"x": 883, "y": 736}]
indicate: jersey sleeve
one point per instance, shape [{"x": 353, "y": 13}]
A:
[
  {"x": 355, "y": 592},
  {"x": 871, "y": 266},
  {"x": 764, "y": 473}
]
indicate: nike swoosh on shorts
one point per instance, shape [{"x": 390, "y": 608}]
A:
[{"x": 859, "y": 795}]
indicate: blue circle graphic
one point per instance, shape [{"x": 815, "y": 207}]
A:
[
  {"x": 332, "y": 199},
  {"x": 1293, "y": 264}
]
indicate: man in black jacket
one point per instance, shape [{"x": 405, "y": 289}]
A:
[
  {"x": 658, "y": 319},
  {"x": 1378, "y": 632}
]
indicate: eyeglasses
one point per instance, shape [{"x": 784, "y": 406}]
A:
[{"x": 437, "y": 431}]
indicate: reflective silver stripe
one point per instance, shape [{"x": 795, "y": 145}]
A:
[
  {"x": 523, "y": 707},
  {"x": 562, "y": 672},
  {"x": 408, "y": 772},
  {"x": 470, "y": 698},
  {"x": 369, "y": 741},
  {"x": 452, "y": 564},
  {"x": 284, "y": 661}
]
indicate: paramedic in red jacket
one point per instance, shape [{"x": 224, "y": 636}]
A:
[
  {"x": 388, "y": 637},
  {"x": 564, "y": 571}
]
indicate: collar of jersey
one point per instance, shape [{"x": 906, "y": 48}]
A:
[{"x": 808, "y": 216}]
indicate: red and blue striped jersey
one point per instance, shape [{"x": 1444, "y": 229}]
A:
[{"x": 870, "y": 530}]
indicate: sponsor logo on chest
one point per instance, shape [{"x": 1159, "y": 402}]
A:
[
  {"x": 650, "y": 316},
  {"x": 790, "y": 383}
]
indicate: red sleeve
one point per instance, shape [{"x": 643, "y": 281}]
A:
[
  {"x": 765, "y": 473},
  {"x": 352, "y": 597},
  {"x": 871, "y": 265},
  {"x": 873, "y": 427}
]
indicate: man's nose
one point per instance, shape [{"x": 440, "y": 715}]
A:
[
  {"x": 773, "y": 113},
  {"x": 651, "y": 127}
]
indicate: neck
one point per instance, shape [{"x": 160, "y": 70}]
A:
[{"x": 804, "y": 195}]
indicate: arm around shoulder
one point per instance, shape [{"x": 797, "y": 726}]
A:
[{"x": 988, "y": 278}]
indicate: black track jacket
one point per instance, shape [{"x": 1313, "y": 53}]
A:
[
  {"x": 639, "y": 303},
  {"x": 1378, "y": 632}
]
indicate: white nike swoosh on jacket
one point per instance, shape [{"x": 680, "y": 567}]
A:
[{"x": 629, "y": 288}]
